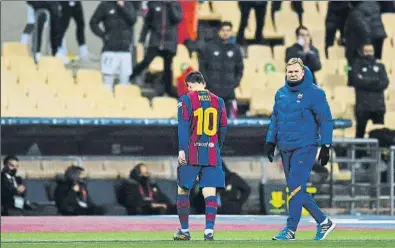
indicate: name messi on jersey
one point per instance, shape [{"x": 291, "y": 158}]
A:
[{"x": 204, "y": 98}]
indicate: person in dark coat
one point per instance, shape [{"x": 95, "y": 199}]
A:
[
  {"x": 71, "y": 194},
  {"x": 13, "y": 190},
  {"x": 161, "y": 23},
  {"x": 297, "y": 7},
  {"x": 336, "y": 17},
  {"x": 56, "y": 32},
  {"x": 235, "y": 193},
  {"x": 304, "y": 49},
  {"x": 221, "y": 63},
  {"x": 118, "y": 18},
  {"x": 140, "y": 196},
  {"x": 364, "y": 25},
  {"x": 260, "y": 12},
  {"x": 369, "y": 78}
]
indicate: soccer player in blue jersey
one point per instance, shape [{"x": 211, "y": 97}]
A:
[{"x": 202, "y": 124}]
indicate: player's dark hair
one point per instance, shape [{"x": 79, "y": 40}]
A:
[
  {"x": 195, "y": 77},
  {"x": 297, "y": 31},
  {"x": 9, "y": 158},
  {"x": 226, "y": 24}
]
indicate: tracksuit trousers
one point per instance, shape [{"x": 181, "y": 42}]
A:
[{"x": 297, "y": 167}]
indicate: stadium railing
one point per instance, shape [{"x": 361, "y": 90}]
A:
[{"x": 372, "y": 156}]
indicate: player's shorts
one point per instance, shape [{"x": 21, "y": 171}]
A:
[
  {"x": 209, "y": 176},
  {"x": 113, "y": 63}
]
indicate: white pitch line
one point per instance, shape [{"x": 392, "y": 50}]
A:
[{"x": 357, "y": 221}]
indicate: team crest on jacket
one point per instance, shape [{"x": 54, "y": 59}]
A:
[
  {"x": 376, "y": 68},
  {"x": 230, "y": 54},
  {"x": 300, "y": 96}
]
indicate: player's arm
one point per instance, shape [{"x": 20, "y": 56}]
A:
[
  {"x": 271, "y": 136},
  {"x": 96, "y": 19},
  {"x": 223, "y": 124},
  {"x": 183, "y": 124},
  {"x": 323, "y": 116}
]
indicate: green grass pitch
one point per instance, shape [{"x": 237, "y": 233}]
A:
[{"x": 338, "y": 239}]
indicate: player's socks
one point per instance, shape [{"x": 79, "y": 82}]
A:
[
  {"x": 208, "y": 231},
  {"x": 183, "y": 209},
  {"x": 211, "y": 211}
]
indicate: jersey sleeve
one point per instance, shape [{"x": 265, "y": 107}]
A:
[
  {"x": 183, "y": 123},
  {"x": 223, "y": 123}
]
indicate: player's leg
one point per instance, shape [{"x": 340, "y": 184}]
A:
[
  {"x": 286, "y": 233},
  {"x": 109, "y": 68},
  {"x": 126, "y": 67},
  {"x": 28, "y": 30},
  {"x": 186, "y": 176},
  {"x": 212, "y": 177}
]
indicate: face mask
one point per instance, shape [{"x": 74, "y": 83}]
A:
[
  {"x": 301, "y": 41},
  {"x": 12, "y": 172},
  {"x": 144, "y": 179},
  {"x": 369, "y": 57}
]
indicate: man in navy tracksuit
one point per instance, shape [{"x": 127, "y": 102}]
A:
[{"x": 301, "y": 121}]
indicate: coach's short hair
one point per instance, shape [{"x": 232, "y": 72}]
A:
[
  {"x": 195, "y": 77},
  {"x": 226, "y": 24},
  {"x": 9, "y": 158},
  {"x": 293, "y": 61}
]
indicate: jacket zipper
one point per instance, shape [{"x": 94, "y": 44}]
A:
[{"x": 162, "y": 41}]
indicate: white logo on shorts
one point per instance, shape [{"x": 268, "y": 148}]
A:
[{"x": 211, "y": 144}]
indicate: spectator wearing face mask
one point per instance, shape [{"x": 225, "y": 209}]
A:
[
  {"x": 13, "y": 191},
  {"x": 304, "y": 49},
  {"x": 221, "y": 63},
  {"x": 140, "y": 196},
  {"x": 71, "y": 194},
  {"x": 369, "y": 78}
]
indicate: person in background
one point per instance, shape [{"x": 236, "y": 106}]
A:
[
  {"x": 56, "y": 34},
  {"x": 221, "y": 63},
  {"x": 304, "y": 49},
  {"x": 161, "y": 24},
  {"x": 369, "y": 78},
  {"x": 13, "y": 191},
  {"x": 260, "y": 12},
  {"x": 118, "y": 18},
  {"x": 296, "y": 6},
  {"x": 335, "y": 20},
  {"x": 363, "y": 25},
  {"x": 235, "y": 193},
  {"x": 140, "y": 196},
  {"x": 74, "y": 9},
  {"x": 71, "y": 194}
]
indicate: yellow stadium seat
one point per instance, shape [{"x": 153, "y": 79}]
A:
[
  {"x": 8, "y": 77},
  {"x": 342, "y": 68},
  {"x": 318, "y": 37},
  {"x": 390, "y": 105},
  {"x": 126, "y": 92},
  {"x": 78, "y": 107},
  {"x": 138, "y": 108},
  {"x": 329, "y": 92},
  {"x": 313, "y": 19},
  {"x": 389, "y": 120},
  {"x": 261, "y": 104},
  {"x": 286, "y": 21},
  {"x": 48, "y": 63},
  {"x": 336, "y": 52},
  {"x": 5, "y": 63},
  {"x": 31, "y": 77},
  {"x": 345, "y": 94},
  {"x": 182, "y": 50},
  {"x": 389, "y": 22},
  {"x": 334, "y": 80},
  {"x": 275, "y": 80},
  {"x": 21, "y": 107},
  {"x": 19, "y": 64},
  {"x": 279, "y": 52},
  {"x": 63, "y": 77},
  {"x": 107, "y": 107},
  {"x": 50, "y": 107},
  {"x": 391, "y": 94},
  {"x": 97, "y": 92},
  {"x": 164, "y": 107},
  {"x": 258, "y": 52},
  {"x": 85, "y": 76},
  {"x": 156, "y": 65},
  {"x": 388, "y": 66},
  {"x": 338, "y": 108},
  {"x": 14, "y": 49}
]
